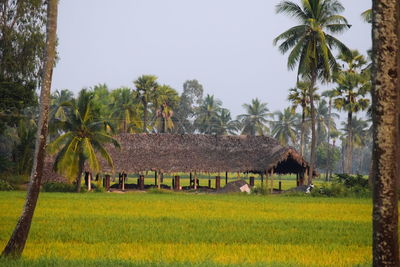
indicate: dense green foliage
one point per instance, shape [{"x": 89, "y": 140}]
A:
[
  {"x": 58, "y": 187},
  {"x": 5, "y": 186}
]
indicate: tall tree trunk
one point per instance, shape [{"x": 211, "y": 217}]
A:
[
  {"x": 386, "y": 126},
  {"x": 303, "y": 121},
  {"x": 331, "y": 166},
  {"x": 349, "y": 144},
  {"x": 313, "y": 132},
  {"x": 16, "y": 244},
  {"x": 328, "y": 162}
]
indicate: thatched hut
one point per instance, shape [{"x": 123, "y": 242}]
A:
[{"x": 173, "y": 153}]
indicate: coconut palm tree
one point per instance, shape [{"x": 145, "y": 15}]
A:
[
  {"x": 350, "y": 94},
  {"x": 57, "y": 110},
  {"x": 226, "y": 124},
  {"x": 254, "y": 121},
  {"x": 329, "y": 94},
  {"x": 166, "y": 99},
  {"x": 311, "y": 45},
  {"x": 299, "y": 96},
  {"x": 284, "y": 127},
  {"x": 207, "y": 115},
  {"x": 125, "y": 110},
  {"x": 83, "y": 137},
  {"x": 146, "y": 85},
  {"x": 16, "y": 244},
  {"x": 325, "y": 121},
  {"x": 359, "y": 133}
]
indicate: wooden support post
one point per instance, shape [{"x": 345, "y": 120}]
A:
[
  {"x": 280, "y": 186},
  {"x": 124, "y": 175},
  {"x": 191, "y": 180},
  {"x": 307, "y": 175},
  {"x": 251, "y": 180},
  {"x": 272, "y": 180},
  {"x": 217, "y": 182},
  {"x": 195, "y": 181},
  {"x": 90, "y": 182},
  {"x": 161, "y": 177},
  {"x": 297, "y": 179},
  {"x": 173, "y": 184},
  {"x": 108, "y": 180},
  {"x": 226, "y": 178},
  {"x": 177, "y": 183},
  {"x": 141, "y": 182},
  {"x": 86, "y": 178},
  {"x": 119, "y": 180},
  {"x": 262, "y": 179},
  {"x": 158, "y": 175},
  {"x": 155, "y": 178},
  {"x": 209, "y": 183}
]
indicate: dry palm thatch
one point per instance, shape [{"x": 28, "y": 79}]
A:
[{"x": 172, "y": 153}]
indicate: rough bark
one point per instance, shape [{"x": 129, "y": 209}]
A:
[
  {"x": 386, "y": 149},
  {"x": 16, "y": 244}
]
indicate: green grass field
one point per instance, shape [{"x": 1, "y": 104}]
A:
[{"x": 177, "y": 229}]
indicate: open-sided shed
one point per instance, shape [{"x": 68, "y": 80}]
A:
[{"x": 195, "y": 153}]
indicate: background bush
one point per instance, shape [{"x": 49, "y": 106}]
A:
[
  {"x": 260, "y": 190},
  {"x": 5, "y": 186},
  {"x": 344, "y": 185},
  {"x": 58, "y": 187}
]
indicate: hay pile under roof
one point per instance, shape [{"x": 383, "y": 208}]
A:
[{"x": 170, "y": 153}]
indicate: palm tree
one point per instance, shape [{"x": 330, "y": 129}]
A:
[
  {"x": 284, "y": 127},
  {"x": 207, "y": 115},
  {"x": 166, "y": 99},
  {"x": 146, "y": 85},
  {"x": 325, "y": 121},
  {"x": 299, "y": 96},
  {"x": 311, "y": 45},
  {"x": 359, "y": 133},
  {"x": 255, "y": 119},
  {"x": 83, "y": 137},
  {"x": 329, "y": 94},
  {"x": 16, "y": 244},
  {"x": 57, "y": 110},
  {"x": 125, "y": 110},
  {"x": 226, "y": 124},
  {"x": 349, "y": 96}
]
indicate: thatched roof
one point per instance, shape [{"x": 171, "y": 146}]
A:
[{"x": 170, "y": 153}]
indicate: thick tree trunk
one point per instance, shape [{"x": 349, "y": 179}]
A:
[
  {"x": 313, "y": 132},
  {"x": 349, "y": 144},
  {"x": 386, "y": 120},
  {"x": 16, "y": 244}
]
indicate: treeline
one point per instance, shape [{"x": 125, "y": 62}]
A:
[
  {"x": 151, "y": 107},
  {"x": 310, "y": 123}
]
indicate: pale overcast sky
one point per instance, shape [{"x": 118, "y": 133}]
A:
[{"x": 225, "y": 44}]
